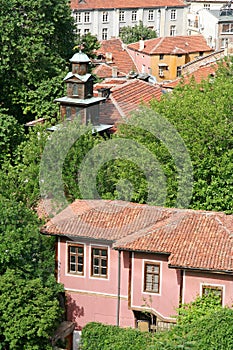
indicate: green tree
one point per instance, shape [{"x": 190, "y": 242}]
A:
[
  {"x": 29, "y": 312},
  {"x": 139, "y": 31},
  {"x": 88, "y": 43},
  {"x": 29, "y": 294},
  {"x": 36, "y": 40}
]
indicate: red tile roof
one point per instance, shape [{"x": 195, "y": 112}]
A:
[
  {"x": 120, "y": 4},
  {"x": 126, "y": 98},
  {"x": 202, "y": 73},
  {"x": 173, "y": 45},
  {"x": 120, "y": 59},
  {"x": 192, "y": 239}
]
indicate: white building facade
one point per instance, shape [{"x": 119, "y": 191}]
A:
[{"x": 105, "y": 20}]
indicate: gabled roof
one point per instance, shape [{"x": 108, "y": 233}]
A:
[
  {"x": 120, "y": 4},
  {"x": 120, "y": 58},
  {"x": 191, "y": 239},
  {"x": 126, "y": 98},
  {"x": 79, "y": 77},
  {"x": 173, "y": 45}
]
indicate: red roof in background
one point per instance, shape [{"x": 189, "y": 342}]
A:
[
  {"x": 173, "y": 45},
  {"x": 102, "y": 5},
  {"x": 192, "y": 239},
  {"x": 120, "y": 59}
]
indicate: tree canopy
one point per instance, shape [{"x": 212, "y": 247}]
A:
[
  {"x": 36, "y": 40},
  {"x": 130, "y": 34}
]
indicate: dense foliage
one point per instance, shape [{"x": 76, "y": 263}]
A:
[
  {"x": 139, "y": 31},
  {"x": 36, "y": 41},
  {"x": 202, "y": 325}
]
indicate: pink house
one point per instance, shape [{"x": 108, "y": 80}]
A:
[{"x": 132, "y": 264}]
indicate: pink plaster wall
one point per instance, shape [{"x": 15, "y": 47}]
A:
[
  {"x": 193, "y": 282},
  {"x": 92, "y": 298},
  {"x": 95, "y": 299},
  {"x": 141, "y": 59},
  {"x": 166, "y": 301}
]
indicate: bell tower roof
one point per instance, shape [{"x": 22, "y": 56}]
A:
[{"x": 80, "y": 57}]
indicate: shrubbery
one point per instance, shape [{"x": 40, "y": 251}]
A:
[{"x": 201, "y": 325}]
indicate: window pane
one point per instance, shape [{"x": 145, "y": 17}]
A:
[
  {"x": 72, "y": 258},
  {"x": 104, "y": 271},
  {"x": 72, "y": 249},
  {"x": 104, "y": 252}
]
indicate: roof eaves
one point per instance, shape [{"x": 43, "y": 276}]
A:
[{"x": 220, "y": 271}]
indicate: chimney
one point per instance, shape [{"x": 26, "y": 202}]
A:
[
  {"x": 141, "y": 44},
  {"x": 114, "y": 72},
  {"x": 108, "y": 56}
]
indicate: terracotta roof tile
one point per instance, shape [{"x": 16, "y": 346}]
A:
[
  {"x": 126, "y": 98},
  {"x": 202, "y": 73},
  {"x": 102, "y": 5},
  {"x": 173, "y": 45},
  {"x": 120, "y": 59},
  {"x": 192, "y": 239}
]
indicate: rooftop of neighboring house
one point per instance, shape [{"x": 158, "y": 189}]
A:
[
  {"x": 191, "y": 239},
  {"x": 200, "y": 69},
  {"x": 120, "y": 4},
  {"x": 172, "y": 45},
  {"x": 225, "y": 13},
  {"x": 112, "y": 53},
  {"x": 125, "y": 97}
]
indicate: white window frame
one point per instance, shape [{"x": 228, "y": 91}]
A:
[
  {"x": 67, "y": 272},
  {"x": 77, "y": 17},
  {"x": 173, "y": 30},
  {"x": 93, "y": 246},
  {"x": 230, "y": 26},
  {"x": 121, "y": 16},
  {"x": 173, "y": 15},
  {"x": 134, "y": 15},
  {"x": 105, "y": 34},
  {"x": 86, "y": 31},
  {"x": 151, "y": 14},
  {"x": 87, "y": 17},
  {"x": 105, "y": 17}
]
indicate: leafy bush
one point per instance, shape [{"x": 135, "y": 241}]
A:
[{"x": 97, "y": 336}]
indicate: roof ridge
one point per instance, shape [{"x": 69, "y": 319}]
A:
[{"x": 157, "y": 45}]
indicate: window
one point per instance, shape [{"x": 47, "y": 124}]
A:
[
  {"x": 105, "y": 16},
  {"x": 151, "y": 277},
  {"x": 87, "y": 17},
  {"x": 173, "y": 15},
  {"x": 76, "y": 259},
  {"x": 151, "y": 15},
  {"x": 207, "y": 6},
  {"x": 77, "y": 17},
  {"x": 178, "y": 71},
  {"x": 75, "y": 89},
  {"x": 86, "y": 31},
  {"x": 227, "y": 28},
  {"x": 68, "y": 113},
  {"x": 224, "y": 43},
  {"x": 217, "y": 290},
  {"x": 161, "y": 56},
  {"x": 161, "y": 74},
  {"x": 134, "y": 15},
  {"x": 122, "y": 16},
  {"x": 172, "y": 30},
  {"x": 104, "y": 34},
  {"x": 99, "y": 262}
]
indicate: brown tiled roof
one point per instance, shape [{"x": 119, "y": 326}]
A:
[
  {"x": 202, "y": 73},
  {"x": 192, "y": 239},
  {"x": 126, "y": 98},
  {"x": 120, "y": 4},
  {"x": 120, "y": 59},
  {"x": 173, "y": 45}
]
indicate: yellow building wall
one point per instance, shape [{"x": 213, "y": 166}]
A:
[{"x": 172, "y": 61}]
